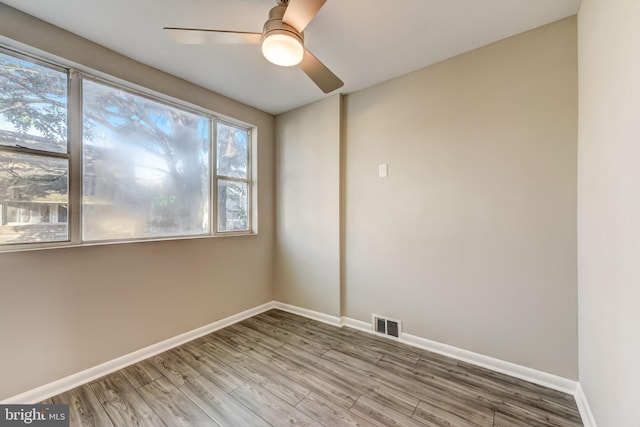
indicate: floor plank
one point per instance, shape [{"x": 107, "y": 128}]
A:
[
  {"x": 328, "y": 413},
  {"x": 219, "y": 405},
  {"x": 171, "y": 404},
  {"x": 309, "y": 345},
  {"x": 270, "y": 407},
  {"x": 313, "y": 379},
  {"x": 562, "y": 398},
  {"x": 123, "y": 403},
  {"x": 84, "y": 407},
  {"x": 534, "y": 417},
  {"x": 394, "y": 398},
  {"x": 512, "y": 392},
  {"x": 323, "y": 334},
  {"x": 173, "y": 367},
  {"x": 513, "y": 401},
  {"x": 402, "y": 380},
  {"x": 258, "y": 337},
  {"x": 502, "y": 420},
  {"x": 345, "y": 333},
  {"x": 206, "y": 365},
  {"x": 380, "y": 415},
  {"x": 434, "y": 415},
  {"x": 270, "y": 378},
  {"x": 141, "y": 373}
]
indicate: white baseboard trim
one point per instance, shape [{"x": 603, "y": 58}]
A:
[
  {"x": 524, "y": 373},
  {"x": 528, "y": 374},
  {"x": 356, "y": 324},
  {"x": 583, "y": 406},
  {"x": 72, "y": 381},
  {"x": 542, "y": 378},
  {"x": 310, "y": 314}
]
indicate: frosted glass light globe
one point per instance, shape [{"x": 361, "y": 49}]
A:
[{"x": 282, "y": 49}]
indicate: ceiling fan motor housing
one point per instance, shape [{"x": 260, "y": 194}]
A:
[{"x": 274, "y": 24}]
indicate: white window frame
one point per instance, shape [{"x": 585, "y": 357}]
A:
[
  {"x": 44, "y": 153},
  {"x": 248, "y": 180}
]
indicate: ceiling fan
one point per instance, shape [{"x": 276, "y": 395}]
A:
[{"x": 282, "y": 40}]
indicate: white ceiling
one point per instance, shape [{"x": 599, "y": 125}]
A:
[{"x": 364, "y": 42}]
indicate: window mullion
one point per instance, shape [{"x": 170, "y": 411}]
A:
[
  {"x": 234, "y": 179},
  {"x": 75, "y": 150},
  {"x": 213, "y": 175},
  {"x": 27, "y": 150}
]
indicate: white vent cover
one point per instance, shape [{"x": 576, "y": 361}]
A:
[{"x": 386, "y": 326}]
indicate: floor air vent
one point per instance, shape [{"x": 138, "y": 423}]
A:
[{"x": 386, "y": 326}]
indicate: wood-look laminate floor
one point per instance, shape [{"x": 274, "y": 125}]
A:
[{"x": 279, "y": 369}]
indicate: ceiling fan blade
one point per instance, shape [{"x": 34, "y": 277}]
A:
[
  {"x": 319, "y": 73},
  {"x": 203, "y": 36},
  {"x": 300, "y": 12}
]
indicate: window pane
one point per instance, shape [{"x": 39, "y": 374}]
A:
[
  {"x": 232, "y": 151},
  {"x": 233, "y": 206},
  {"x": 33, "y": 193},
  {"x": 145, "y": 169},
  {"x": 33, "y": 105}
]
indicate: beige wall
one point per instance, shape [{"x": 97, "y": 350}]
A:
[
  {"x": 609, "y": 209},
  {"x": 308, "y": 206},
  {"x": 471, "y": 239},
  {"x": 65, "y": 310}
]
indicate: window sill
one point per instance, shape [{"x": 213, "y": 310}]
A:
[{"x": 27, "y": 247}]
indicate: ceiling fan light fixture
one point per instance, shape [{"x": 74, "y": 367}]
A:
[
  {"x": 282, "y": 48},
  {"x": 282, "y": 40}
]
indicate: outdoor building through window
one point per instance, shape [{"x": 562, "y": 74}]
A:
[
  {"x": 148, "y": 168},
  {"x": 34, "y": 159}
]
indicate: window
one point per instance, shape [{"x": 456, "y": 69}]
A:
[
  {"x": 232, "y": 178},
  {"x": 145, "y": 166},
  {"x": 34, "y": 154}
]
